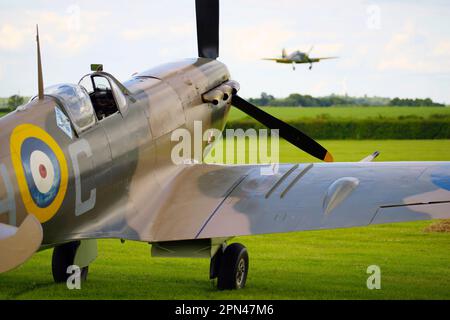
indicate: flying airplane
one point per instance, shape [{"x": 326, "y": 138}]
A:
[
  {"x": 92, "y": 160},
  {"x": 298, "y": 57}
]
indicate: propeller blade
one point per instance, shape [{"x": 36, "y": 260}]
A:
[
  {"x": 207, "y": 12},
  {"x": 291, "y": 134}
]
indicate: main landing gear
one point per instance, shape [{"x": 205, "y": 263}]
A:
[
  {"x": 75, "y": 253},
  {"x": 230, "y": 266},
  {"x": 63, "y": 257}
]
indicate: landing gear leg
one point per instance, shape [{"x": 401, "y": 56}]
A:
[
  {"x": 215, "y": 263},
  {"x": 230, "y": 266},
  {"x": 310, "y": 66},
  {"x": 79, "y": 253},
  {"x": 293, "y": 66}
]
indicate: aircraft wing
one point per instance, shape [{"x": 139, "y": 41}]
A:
[
  {"x": 323, "y": 58},
  {"x": 311, "y": 60},
  {"x": 279, "y": 60},
  {"x": 211, "y": 201}
]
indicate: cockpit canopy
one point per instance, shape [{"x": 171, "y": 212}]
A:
[
  {"x": 96, "y": 97},
  {"x": 77, "y": 103},
  {"x": 105, "y": 94}
]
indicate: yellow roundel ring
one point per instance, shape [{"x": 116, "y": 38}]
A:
[{"x": 41, "y": 170}]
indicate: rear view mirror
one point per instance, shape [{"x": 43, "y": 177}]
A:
[{"x": 96, "y": 67}]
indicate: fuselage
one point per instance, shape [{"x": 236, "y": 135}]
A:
[
  {"x": 111, "y": 170},
  {"x": 298, "y": 56}
]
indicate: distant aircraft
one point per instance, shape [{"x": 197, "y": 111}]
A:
[
  {"x": 92, "y": 160},
  {"x": 298, "y": 57}
]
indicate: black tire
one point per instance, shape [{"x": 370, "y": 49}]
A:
[
  {"x": 234, "y": 267},
  {"x": 63, "y": 257}
]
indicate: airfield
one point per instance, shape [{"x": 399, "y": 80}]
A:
[{"x": 302, "y": 265}]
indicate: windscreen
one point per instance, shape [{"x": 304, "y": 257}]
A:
[{"x": 76, "y": 102}]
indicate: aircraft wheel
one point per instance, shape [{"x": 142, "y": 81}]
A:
[
  {"x": 234, "y": 267},
  {"x": 63, "y": 257}
]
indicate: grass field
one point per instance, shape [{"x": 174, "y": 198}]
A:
[
  {"x": 291, "y": 113},
  {"x": 303, "y": 265},
  {"x": 355, "y": 150}
]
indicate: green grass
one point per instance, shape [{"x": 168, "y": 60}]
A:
[
  {"x": 355, "y": 150},
  {"x": 292, "y": 113},
  {"x": 302, "y": 265},
  {"x": 308, "y": 265}
]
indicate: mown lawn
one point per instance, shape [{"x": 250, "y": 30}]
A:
[
  {"x": 328, "y": 264},
  {"x": 303, "y": 265}
]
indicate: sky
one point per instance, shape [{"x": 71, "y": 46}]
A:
[{"x": 389, "y": 48}]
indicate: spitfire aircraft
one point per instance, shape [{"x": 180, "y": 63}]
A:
[
  {"x": 92, "y": 160},
  {"x": 298, "y": 57}
]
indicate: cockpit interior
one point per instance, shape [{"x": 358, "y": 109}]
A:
[
  {"x": 101, "y": 94},
  {"x": 95, "y": 98}
]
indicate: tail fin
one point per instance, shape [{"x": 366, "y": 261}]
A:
[{"x": 283, "y": 53}]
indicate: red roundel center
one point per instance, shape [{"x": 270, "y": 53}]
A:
[{"x": 43, "y": 171}]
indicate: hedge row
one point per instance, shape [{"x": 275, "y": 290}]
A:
[{"x": 363, "y": 129}]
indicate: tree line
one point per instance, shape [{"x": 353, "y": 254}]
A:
[
  {"x": 299, "y": 100},
  {"x": 293, "y": 100},
  {"x": 11, "y": 103}
]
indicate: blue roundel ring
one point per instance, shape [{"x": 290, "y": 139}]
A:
[
  {"x": 41, "y": 170},
  {"x": 41, "y": 167},
  {"x": 441, "y": 180}
]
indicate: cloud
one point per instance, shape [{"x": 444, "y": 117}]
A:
[
  {"x": 318, "y": 87},
  {"x": 257, "y": 41},
  {"x": 442, "y": 48},
  {"x": 182, "y": 29},
  {"x": 75, "y": 43},
  {"x": 400, "y": 63},
  {"x": 403, "y": 38},
  {"x": 414, "y": 50},
  {"x": 137, "y": 34},
  {"x": 11, "y": 38},
  {"x": 69, "y": 31},
  {"x": 321, "y": 49},
  {"x": 179, "y": 30}
]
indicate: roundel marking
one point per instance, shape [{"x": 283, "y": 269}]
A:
[
  {"x": 441, "y": 180},
  {"x": 41, "y": 170}
]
